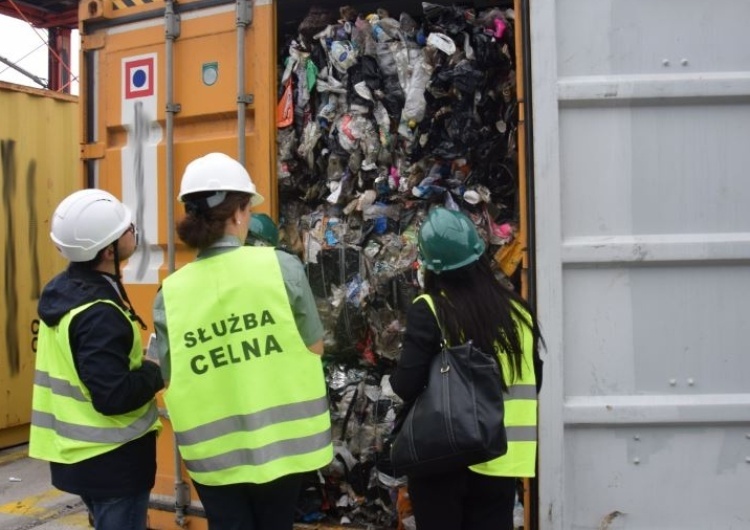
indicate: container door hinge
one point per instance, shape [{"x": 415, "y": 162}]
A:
[
  {"x": 181, "y": 496},
  {"x": 92, "y": 151},
  {"x": 94, "y": 41},
  {"x": 174, "y": 108},
  {"x": 244, "y": 13},
  {"x": 247, "y": 99}
]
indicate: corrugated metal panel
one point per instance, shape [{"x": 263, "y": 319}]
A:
[
  {"x": 642, "y": 122},
  {"x": 39, "y": 152}
]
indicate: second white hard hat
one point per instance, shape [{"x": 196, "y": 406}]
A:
[{"x": 219, "y": 173}]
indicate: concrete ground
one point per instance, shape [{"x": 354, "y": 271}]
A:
[{"x": 29, "y": 502}]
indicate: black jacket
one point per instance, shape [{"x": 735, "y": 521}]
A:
[
  {"x": 101, "y": 339},
  {"x": 420, "y": 344}
]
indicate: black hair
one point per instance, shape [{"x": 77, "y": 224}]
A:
[
  {"x": 92, "y": 264},
  {"x": 471, "y": 303},
  {"x": 203, "y": 226}
]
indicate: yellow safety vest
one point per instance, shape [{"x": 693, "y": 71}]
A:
[
  {"x": 65, "y": 427},
  {"x": 520, "y": 412},
  {"x": 247, "y": 399}
]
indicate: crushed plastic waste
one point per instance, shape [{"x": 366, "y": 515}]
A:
[{"x": 383, "y": 115}]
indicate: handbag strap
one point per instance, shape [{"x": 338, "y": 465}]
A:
[
  {"x": 431, "y": 304},
  {"x": 443, "y": 341}
]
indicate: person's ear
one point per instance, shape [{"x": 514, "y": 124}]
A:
[
  {"x": 109, "y": 251},
  {"x": 238, "y": 213}
]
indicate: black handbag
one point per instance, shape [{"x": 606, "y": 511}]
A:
[{"x": 458, "y": 420}]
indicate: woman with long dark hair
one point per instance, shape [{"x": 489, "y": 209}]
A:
[{"x": 463, "y": 300}]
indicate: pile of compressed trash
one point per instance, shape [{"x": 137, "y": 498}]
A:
[{"x": 381, "y": 116}]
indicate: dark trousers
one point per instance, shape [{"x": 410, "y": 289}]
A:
[
  {"x": 463, "y": 501},
  {"x": 118, "y": 513},
  {"x": 267, "y": 506}
]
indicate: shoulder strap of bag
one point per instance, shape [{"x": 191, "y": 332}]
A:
[{"x": 431, "y": 303}]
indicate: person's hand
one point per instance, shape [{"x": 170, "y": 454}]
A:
[{"x": 316, "y": 348}]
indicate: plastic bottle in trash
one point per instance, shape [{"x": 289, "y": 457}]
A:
[{"x": 407, "y": 25}]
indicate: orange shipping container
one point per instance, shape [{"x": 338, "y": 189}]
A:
[
  {"x": 163, "y": 84},
  {"x": 160, "y": 89}
]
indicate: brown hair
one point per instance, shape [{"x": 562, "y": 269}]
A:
[{"x": 202, "y": 227}]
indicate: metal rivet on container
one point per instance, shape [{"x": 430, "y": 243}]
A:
[
  {"x": 637, "y": 437},
  {"x": 636, "y": 460},
  {"x": 747, "y": 459},
  {"x": 672, "y": 382},
  {"x": 684, "y": 62},
  {"x": 747, "y": 436},
  {"x": 665, "y": 62},
  {"x": 690, "y": 381}
]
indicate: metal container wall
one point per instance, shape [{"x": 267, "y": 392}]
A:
[
  {"x": 642, "y": 122},
  {"x": 39, "y": 166}
]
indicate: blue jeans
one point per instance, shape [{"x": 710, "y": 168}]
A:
[{"x": 118, "y": 513}]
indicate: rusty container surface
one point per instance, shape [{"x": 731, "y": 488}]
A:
[{"x": 39, "y": 165}]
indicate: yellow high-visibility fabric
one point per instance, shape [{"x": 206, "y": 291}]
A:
[
  {"x": 520, "y": 404},
  {"x": 65, "y": 427},
  {"x": 247, "y": 399}
]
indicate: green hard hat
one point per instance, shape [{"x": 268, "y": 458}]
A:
[
  {"x": 448, "y": 240},
  {"x": 262, "y": 228}
]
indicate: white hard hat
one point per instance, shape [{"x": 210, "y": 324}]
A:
[
  {"x": 220, "y": 173},
  {"x": 86, "y": 222}
]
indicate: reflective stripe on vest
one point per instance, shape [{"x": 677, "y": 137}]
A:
[
  {"x": 247, "y": 399},
  {"x": 520, "y": 402},
  {"x": 82, "y": 433},
  {"x": 65, "y": 427},
  {"x": 59, "y": 387},
  {"x": 254, "y": 421},
  {"x": 261, "y": 455}
]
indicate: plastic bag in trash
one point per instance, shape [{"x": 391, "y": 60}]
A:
[
  {"x": 335, "y": 266},
  {"x": 450, "y": 19},
  {"x": 285, "y": 109},
  {"x": 489, "y": 54},
  {"x": 317, "y": 20}
]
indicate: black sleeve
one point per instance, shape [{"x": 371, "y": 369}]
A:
[
  {"x": 101, "y": 339},
  {"x": 421, "y": 343}
]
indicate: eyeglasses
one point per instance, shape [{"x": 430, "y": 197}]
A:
[{"x": 134, "y": 230}]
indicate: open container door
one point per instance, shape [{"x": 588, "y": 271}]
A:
[
  {"x": 642, "y": 122},
  {"x": 164, "y": 83}
]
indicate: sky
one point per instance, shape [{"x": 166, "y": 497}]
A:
[{"x": 21, "y": 44}]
